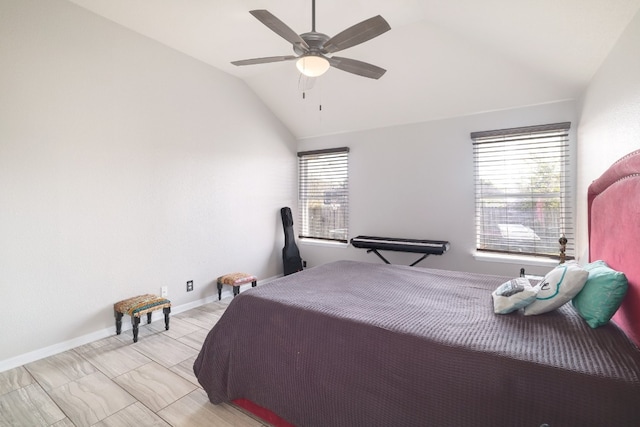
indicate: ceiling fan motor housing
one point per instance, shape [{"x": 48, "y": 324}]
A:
[{"x": 315, "y": 41}]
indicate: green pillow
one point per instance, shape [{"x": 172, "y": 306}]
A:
[{"x": 601, "y": 295}]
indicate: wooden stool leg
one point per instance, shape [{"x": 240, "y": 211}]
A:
[
  {"x": 148, "y": 318},
  {"x": 254, "y": 284},
  {"x": 219, "y": 291},
  {"x": 236, "y": 291},
  {"x": 118, "y": 322},
  {"x": 166, "y": 312},
  {"x": 135, "y": 321}
]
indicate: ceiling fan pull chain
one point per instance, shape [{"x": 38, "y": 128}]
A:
[{"x": 302, "y": 86}]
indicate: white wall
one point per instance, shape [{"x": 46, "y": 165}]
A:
[
  {"x": 416, "y": 181},
  {"x": 610, "y": 115},
  {"x": 124, "y": 166}
]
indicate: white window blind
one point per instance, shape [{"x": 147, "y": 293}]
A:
[
  {"x": 523, "y": 190},
  {"x": 323, "y": 198}
]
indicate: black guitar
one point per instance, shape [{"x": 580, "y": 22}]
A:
[{"x": 290, "y": 253}]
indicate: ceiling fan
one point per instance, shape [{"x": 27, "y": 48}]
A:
[{"x": 313, "y": 48}]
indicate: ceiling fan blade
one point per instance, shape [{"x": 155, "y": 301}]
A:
[
  {"x": 357, "y": 67},
  {"x": 359, "y": 33},
  {"x": 264, "y": 60},
  {"x": 280, "y": 28}
]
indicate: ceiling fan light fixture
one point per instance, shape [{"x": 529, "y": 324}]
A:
[{"x": 312, "y": 65}]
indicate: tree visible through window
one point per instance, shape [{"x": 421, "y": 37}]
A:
[
  {"x": 323, "y": 200},
  {"x": 522, "y": 190}
]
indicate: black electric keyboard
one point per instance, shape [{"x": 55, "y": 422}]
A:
[{"x": 426, "y": 247}]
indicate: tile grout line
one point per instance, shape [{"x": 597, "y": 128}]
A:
[{"x": 66, "y": 416}]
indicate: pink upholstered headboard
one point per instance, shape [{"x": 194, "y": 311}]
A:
[{"x": 614, "y": 232}]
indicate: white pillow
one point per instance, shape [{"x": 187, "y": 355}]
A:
[
  {"x": 559, "y": 286},
  {"x": 513, "y": 295}
]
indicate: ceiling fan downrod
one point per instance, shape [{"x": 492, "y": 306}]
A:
[{"x": 313, "y": 16}]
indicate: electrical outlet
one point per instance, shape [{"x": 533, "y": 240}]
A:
[
  {"x": 189, "y": 285},
  {"x": 164, "y": 291}
]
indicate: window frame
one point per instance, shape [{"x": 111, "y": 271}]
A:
[
  {"x": 314, "y": 166},
  {"x": 552, "y": 142}
]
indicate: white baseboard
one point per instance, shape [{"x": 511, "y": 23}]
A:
[{"x": 54, "y": 349}]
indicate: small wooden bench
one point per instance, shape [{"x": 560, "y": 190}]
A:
[
  {"x": 235, "y": 280},
  {"x": 138, "y": 306}
]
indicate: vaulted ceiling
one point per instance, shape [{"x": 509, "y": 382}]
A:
[{"x": 443, "y": 58}]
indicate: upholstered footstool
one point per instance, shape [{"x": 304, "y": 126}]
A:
[
  {"x": 235, "y": 280},
  {"x": 138, "y": 306}
]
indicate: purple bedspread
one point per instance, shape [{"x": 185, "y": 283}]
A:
[{"x": 359, "y": 344}]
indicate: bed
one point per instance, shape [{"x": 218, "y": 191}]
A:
[{"x": 351, "y": 343}]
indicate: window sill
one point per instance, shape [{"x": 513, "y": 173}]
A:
[
  {"x": 515, "y": 259},
  {"x": 325, "y": 243}
]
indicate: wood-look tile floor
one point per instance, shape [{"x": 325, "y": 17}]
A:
[{"x": 116, "y": 383}]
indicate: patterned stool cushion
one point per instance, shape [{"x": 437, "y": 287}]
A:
[
  {"x": 142, "y": 304},
  {"x": 236, "y": 279}
]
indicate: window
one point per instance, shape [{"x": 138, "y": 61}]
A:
[
  {"x": 323, "y": 198},
  {"x": 522, "y": 186}
]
